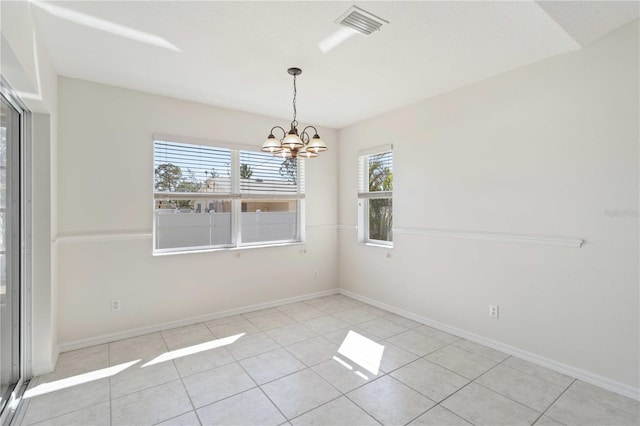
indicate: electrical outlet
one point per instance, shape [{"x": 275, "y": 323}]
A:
[
  {"x": 494, "y": 311},
  {"x": 115, "y": 305}
]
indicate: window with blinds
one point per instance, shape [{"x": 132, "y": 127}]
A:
[
  {"x": 208, "y": 196},
  {"x": 375, "y": 195}
]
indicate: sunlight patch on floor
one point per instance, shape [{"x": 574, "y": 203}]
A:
[
  {"x": 363, "y": 351},
  {"x": 190, "y": 350},
  {"x": 78, "y": 380}
]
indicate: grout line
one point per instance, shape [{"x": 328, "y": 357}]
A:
[
  {"x": 186, "y": 391},
  {"x": 262, "y": 390},
  {"x": 554, "y": 401},
  {"x": 470, "y": 381}
]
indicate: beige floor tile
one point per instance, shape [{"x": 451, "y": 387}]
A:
[
  {"x": 431, "y": 380},
  {"x": 394, "y": 357},
  {"x": 202, "y": 361},
  {"x": 538, "y": 371},
  {"x": 134, "y": 342},
  {"x": 271, "y": 365},
  {"x": 417, "y": 343},
  {"x": 440, "y": 335},
  {"x": 548, "y": 421},
  {"x": 184, "y": 329},
  {"x": 252, "y": 345},
  {"x": 521, "y": 387},
  {"x": 78, "y": 362},
  {"x": 389, "y": 401},
  {"x": 299, "y": 392},
  {"x": 376, "y": 311},
  {"x": 216, "y": 384},
  {"x": 459, "y": 361},
  {"x": 271, "y": 321},
  {"x": 189, "y": 338},
  {"x": 325, "y": 324},
  {"x": 241, "y": 326},
  {"x": 224, "y": 320},
  {"x": 340, "y": 411},
  {"x": 260, "y": 313},
  {"x": 612, "y": 399},
  {"x": 439, "y": 416},
  {"x": 292, "y": 306},
  {"x": 248, "y": 408},
  {"x": 304, "y": 313},
  {"x": 318, "y": 300},
  {"x": 382, "y": 328},
  {"x": 138, "y": 377},
  {"x": 405, "y": 322},
  {"x": 150, "y": 406},
  {"x": 144, "y": 351},
  {"x": 314, "y": 351},
  {"x": 580, "y": 405},
  {"x": 308, "y": 334},
  {"x": 338, "y": 336},
  {"x": 480, "y": 405},
  {"x": 354, "y": 316},
  {"x": 291, "y": 333},
  {"x": 73, "y": 398},
  {"x": 344, "y": 374},
  {"x": 187, "y": 419},
  {"x": 96, "y": 415},
  {"x": 334, "y": 306},
  {"x": 481, "y": 350}
]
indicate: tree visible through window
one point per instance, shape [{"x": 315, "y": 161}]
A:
[
  {"x": 380, "y": 209},
  {"x": 376, "y": 195}
]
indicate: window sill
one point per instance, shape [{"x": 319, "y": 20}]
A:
[
  {"x": 227, "y": 249},
  {"x": 379, "y": 245}
]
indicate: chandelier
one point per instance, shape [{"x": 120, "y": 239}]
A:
[{"x": 292, "y": 144}]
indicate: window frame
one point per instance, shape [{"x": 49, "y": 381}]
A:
[
  {"x": 365, "y": 196},
  {"x": 236, "y": 197}
]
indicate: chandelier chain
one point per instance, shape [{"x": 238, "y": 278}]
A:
[{"x": 295, "y": 92}]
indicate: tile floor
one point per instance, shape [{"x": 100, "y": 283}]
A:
[{"x": 326, "y": 361}]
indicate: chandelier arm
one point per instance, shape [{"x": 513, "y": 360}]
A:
[
  {"x": 314, "y": 129},
  {"x": 284, "y": 132}
]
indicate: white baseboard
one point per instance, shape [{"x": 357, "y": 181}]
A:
[
  {"x": 586, "y": 376},
  {"x": 106, "y": 338}
]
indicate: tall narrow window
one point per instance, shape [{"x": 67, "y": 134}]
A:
[
  {"x": 224, "y": 196},
  {"x": 375, "y": 195}
]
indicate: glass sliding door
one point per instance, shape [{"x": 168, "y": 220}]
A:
[{"x": 12, "y": 129}]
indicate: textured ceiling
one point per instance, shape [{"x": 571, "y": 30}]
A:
[{"x": 235, "y": 54}]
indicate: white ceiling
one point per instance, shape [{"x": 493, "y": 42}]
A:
[{"x": 235, "y": 54}]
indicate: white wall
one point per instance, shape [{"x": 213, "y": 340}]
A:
[
  {"x": 29, "y": 70},
  {"x": 105, "y": 178},
  {"x": 543, "y": 150}
]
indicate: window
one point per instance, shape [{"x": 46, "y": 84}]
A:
[
  {"x": 224, "y": 196},
  {"x": 375, "y": 195}
]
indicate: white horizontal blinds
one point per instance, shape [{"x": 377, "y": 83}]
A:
[
  {"x": 263, "y": 175},
  {"x": 375, "y": 173},
  {"x": 188, "y": 168}
]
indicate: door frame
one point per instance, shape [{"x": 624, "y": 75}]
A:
[{"x": 24, "y": 272}]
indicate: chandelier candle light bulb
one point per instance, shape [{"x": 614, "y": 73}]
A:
[{"x": 292, "y": 143}]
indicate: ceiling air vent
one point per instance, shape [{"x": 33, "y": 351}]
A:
[{"x": 362, "y": 21}]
